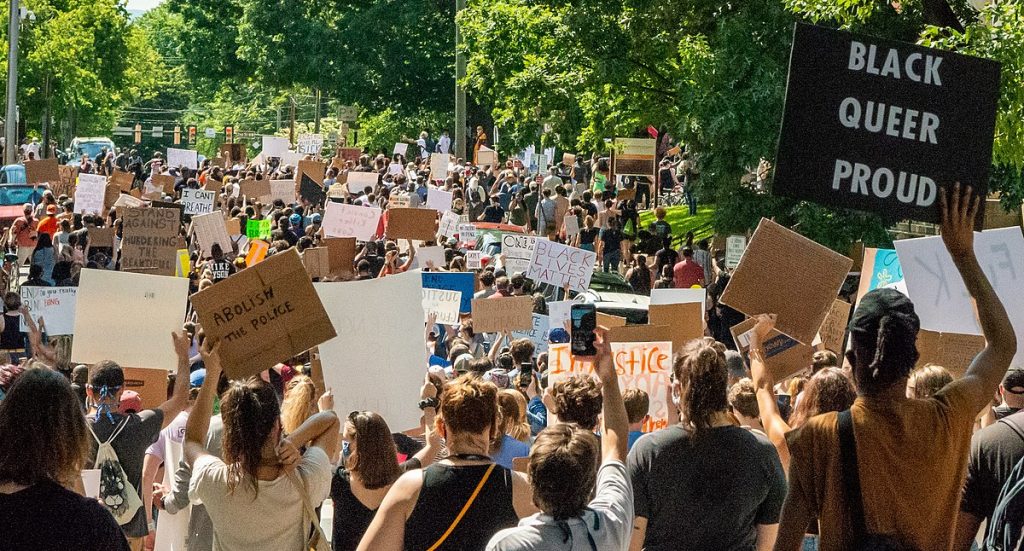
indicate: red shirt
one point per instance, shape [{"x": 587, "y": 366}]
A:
[{"x": 687, "y": 274}]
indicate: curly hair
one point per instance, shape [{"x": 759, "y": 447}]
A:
[
  {"x": 701, "y": 372},
  {"x": 578, "y": 400},
  {"x": 743, "y": 398},
  {"x": 469, "y": 405},
  {"x": 250, "y": 411},
  {"x": 827, "y": 390}
]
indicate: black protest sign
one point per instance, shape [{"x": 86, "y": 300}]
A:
[
  {"x": 311, "y": 191},
  {"x": 879, "y": 125}
]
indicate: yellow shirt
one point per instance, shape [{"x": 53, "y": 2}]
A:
[{"x": 911, "y": 458}]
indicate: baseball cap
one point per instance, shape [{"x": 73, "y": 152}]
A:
[
  {"x": 51, "y": 209},
  {"x": 295, "y": 219},
  {"x": 558, "y": 335},
  {"x": 315, "y": 218},
  {"x": 880, "y": 303},
  {"x": 1013, "y": 381},
  {"x": 130, "y": 402},
  {"x": 197, "y": 378}
]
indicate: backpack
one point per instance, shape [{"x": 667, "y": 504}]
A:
[
  {"x": 116, "y": 491},
  {"x": 1006, "y": 528}
]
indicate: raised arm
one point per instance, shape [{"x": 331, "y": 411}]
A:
[
  {"x": 615, "y": 433},
  {"x": 767, "y": 405},
  {"x": 199, "y": 420},
  {"x": 959, "y": 211},
  {"x": 179, "y": 398},
  {"x": 430, "y": 435}
]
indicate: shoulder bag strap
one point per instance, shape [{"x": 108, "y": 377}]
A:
[
  {"x": 851, "y": 478},
  {"x": 319, "y": 540},
  {"x": 1012, "y": 423},
  {"x": 117, "y": 431},
  {"x": 465, "y": 509}
]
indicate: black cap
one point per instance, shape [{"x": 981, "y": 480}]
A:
[
  {"x": 1013, "y": 381},
  {"x": 877, "y": 304}
]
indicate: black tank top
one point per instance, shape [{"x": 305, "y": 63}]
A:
[
  {"x": 351, "y": 517},
  {"x": 446, "y": 489},
  {"x": 11, "y": 338}
]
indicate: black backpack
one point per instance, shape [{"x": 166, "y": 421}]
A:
[{"x": 1006, "y": 528}]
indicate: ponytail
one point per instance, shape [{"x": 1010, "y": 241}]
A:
[{"x": 701, "y": 371}]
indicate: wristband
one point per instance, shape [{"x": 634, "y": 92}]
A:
[{"x": 429, "y": 403}]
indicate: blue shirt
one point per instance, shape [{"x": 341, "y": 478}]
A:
[
  {"x": 510, "y": 449},
  {"x": 634, "y": 435},
  {"x": 537, "y": 415}
]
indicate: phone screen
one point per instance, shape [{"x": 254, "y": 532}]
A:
[{"x": 584, "y": 322}]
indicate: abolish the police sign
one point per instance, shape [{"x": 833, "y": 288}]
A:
[{"x": 879, "y": 125}]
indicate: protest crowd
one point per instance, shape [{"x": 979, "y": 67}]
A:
[{"x": 180, "y": 363}]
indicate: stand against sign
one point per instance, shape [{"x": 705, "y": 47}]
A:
[{"x": 879, "y": 125}]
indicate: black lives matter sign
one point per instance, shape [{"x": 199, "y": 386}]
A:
[{"x": 879, "y": 125}]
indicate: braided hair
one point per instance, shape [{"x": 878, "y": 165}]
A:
[{"x": 884, "y": 336}]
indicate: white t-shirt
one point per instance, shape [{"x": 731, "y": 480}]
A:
[
  {"x": 606, "y": 526},
  {"x": 274, "y": 520}
]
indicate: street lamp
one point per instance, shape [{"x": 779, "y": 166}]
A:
[{"x": 17, "y": 15}]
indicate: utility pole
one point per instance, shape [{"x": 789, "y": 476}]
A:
[
  {"x": 291, "y": 125},
  {"x": 45, "y": 150},
  {"x": 460, "y": 92},
  {"x": 11, "y": 122},
  {"x": 316, "y": 117}
]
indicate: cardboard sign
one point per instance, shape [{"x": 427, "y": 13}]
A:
[
  {"x": 342, "y": 220},
  {"x": 474, "y": 260},
  {"x": 234, "y": 152},
  {"x": 341, "y": 253},
  {"x": 310, "y": 191},
  {"x": 314, "y": 170},
  {"x": 635, "y": 157},
  {"x": 537, "y": 333},
  {"x": 43, "y": 171},
  {"x": 643, "y": 365},
  {"x": 358, "y": 181},
  {"x": 784, "y": 355},
  {"x": 678, "y": 296},
  {"x": 568, "y": 159},
  {"x": 350, "y": 153},
  {"x": 400, "y": 149},
  {"x": 940, "y": 297},
  {"x": 439, "y": 199},
  {"x": 419, "y": 224},
  {"x": 198, "y": 201},
  {"x": 879, "y": 125},
  {"x": 254, "y": 189},
  {"x": 214, "y": 186},
  {"x": 880, "y": 269},
  {"x": 210, "y": 229},
  {"x": 439, "y": 166},
  {"x": 685, "y": 320},
  {"x": 492, "y": 315},
  {"x": 310, "y": 144},
  {"x": 486, "y": 157},
  {"x": 518, "y": 251},
  {"x": 561, "y": 265},
  {"x": 123, "y": 180},
  {"x": 640, "y": 333},
  {"x": 283, "y": 190},
  {"x": 274, "y": 146},
  {"x": 257, "y": 229},
  {"x": 150, "y": 241},
  {"x": 141, "y": 312},
  {"x": 608, "y": 321},
  {"x": 233, "y": 226},
  {"x": 90, "y": 194},
  {"x": 101, "y": 237},
  {"x": 356, "y": 366},
  {"x": 150, "y": 384},
  {"x": 464, "y": 282},
  {"x": 953, "y": 351},
  {"x": 316, "y": 260},
  {"x": 734, "y": 247},
  {"x": 442, "y": 304},
  {"x": 787, "y": 274},
  {"x": 127, "y": 201},
  {"x": 263, "y": 315},
  {"x": 257, "y": 252},
  {"x": 164, "y": 182},
  {"x": 832, "y": 332},
  {"x": 182, "y": 158},
  {"x": 55, "y": 305},
  {"x": 66, "y": 185}
]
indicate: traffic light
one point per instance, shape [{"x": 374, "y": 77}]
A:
[
  {"x": 229, "y": 134},
  {"x": 177, "y": 135},
  {"x": 192, "y": 135},
  {"x": 138, "y": 133}
]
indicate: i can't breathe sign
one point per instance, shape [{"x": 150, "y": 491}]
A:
[{"x": 879, "y": 125}]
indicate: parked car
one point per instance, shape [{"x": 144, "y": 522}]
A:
[
  {"x": 14, "y": 196},
  {"x": 12, "y": 174},
  {"x": 87, "y": 146}
]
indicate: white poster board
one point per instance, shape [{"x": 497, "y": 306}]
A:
[
  {"x": 90, "y": 194},
  {"x": 734, "y": 247},
  {"x": 400, "y": 149},
  {"x": 310, "y": 144},
  {"x": 341, "y": 220},
  {"x": 123, "y": 300},
  {"x": 185, "y": 158},
  {"x": 449, "y": 225},
  {"x": 538, "y": 334},
  {"x": 198, "y": 201},
  {"x": 366, "y": 314},
  {"x": 561, "y": 265},
  {"x": 518, "y": 250},
  {"x": 275, "y": 146},
  {"x": 359, "y": 181},
  {"x": 474, "y": 260},
  {"x": 940, "y": 297},
  {"x": 209, "y": 229},
  {"x": 439, "y": 199},
  {"x": 439, "y": 166},
  {"x": 55, "y": 305},
  {"x": 443, "y": 303},
  {"x": 433, "y": 255}
]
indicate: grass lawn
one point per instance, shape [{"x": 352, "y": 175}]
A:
[{"x": 681, "y": 221}]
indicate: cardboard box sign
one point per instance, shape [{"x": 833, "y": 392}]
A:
[
  {"x": 784, "y": 355},
  {"x": 110, "y": 196},
  {"x": 316, "y": 261},
  {"x": 164, "y": 182},
  {"x": 150, "y": 241},
  {"x": 151, "y": 384},
  {"x": 101, "y": 237},
  {"x": 254, "y": 189},
  {"x": 953, "y": 351},
  {"x": 42, "y": 171},
  {"x": 502, "y": 314},
  {"x": 832, "y": 333},
  {"x": 263, "y": 315},
  {"x": 315, "y": 170},
  {"x": 312, "y": 192},
  {"x": 123, "y": 180},
  {"x": 878, "y": 125},
  {"x": 419, "y": 224},
  {"x": 785, "y": 273},
  {"x": 608, "y": 321},
  {"x": 341, "y": 253},
  {"x": 685, "y": 321},
  {"x": 640, "y": 333},
  {"x": 66, "y": 185}
]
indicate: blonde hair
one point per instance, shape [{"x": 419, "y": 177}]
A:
[
  {"x": 299, "y": 403},
  {"x": 927, "y": 381},
  {"x": 512, "y": 405}
]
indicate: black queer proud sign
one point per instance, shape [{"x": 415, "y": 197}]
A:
[{"x": 879, "y": 125}]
